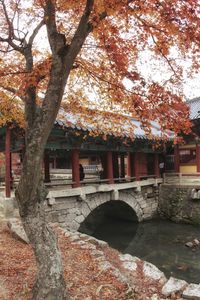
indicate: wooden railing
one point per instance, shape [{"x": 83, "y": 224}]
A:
[{"x": 182, "y": 178}]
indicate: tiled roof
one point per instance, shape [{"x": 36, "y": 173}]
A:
[
  {"x": 194, "y": 105},
  {"x": 74, "y": 121}
]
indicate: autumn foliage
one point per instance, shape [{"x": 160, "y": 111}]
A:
[
  {"x": 107, "y": 75},
  {"x": 88, "y": 57}
]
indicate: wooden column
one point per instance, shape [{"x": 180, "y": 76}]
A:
[
  {"x": 22, "y": 153},
  {"x": 54, "y": 162},
  {"x": 136, "y": 166},
  {"x": 115, "y": 165},
  {"x": 75, "y": 168},
  {"x": 176, "y": 159},
  {"x": 198, "y": 157},
  {"x": 156, "y": 165},
  {"x": 122, "y": 166},
  {"x": 11, "y": 172},
  {"x": 8, "y": 163},
  {"x": 46, "y": 168},
  {"x": 104, "y": 166},
  {"x": 128, "y": 164},
  {"x": 110, "y": 167}
]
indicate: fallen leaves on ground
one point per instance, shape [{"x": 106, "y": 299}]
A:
[{"x": 84, "y": 278}]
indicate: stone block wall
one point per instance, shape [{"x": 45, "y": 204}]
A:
[
  {"x": 176, "y": 204},
  {"x": 70, "y": 212}
]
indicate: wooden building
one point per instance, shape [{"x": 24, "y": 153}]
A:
[
  {"x": 119, "y": 158},
  {"x": 187, "y": 155}
]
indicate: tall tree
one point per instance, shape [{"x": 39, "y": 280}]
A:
[{"x": 84, "y": 53}]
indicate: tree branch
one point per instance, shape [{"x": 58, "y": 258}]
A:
[
  {"x": 63, "y": 57},
  {"x": 11, "y": 32},
  {"x": 166, "y": 58},
  {"x": 35, "y": 32},
  {"x": 12, "y": 44},
  {"x": 12, "y": 91},
  {"x": 50, "y": 20}
]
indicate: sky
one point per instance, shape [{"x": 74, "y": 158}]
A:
[
  {"x": 151, "y": 68},
  {"x": 156, "y": 70},
  {"x": 192, "y": 87}
]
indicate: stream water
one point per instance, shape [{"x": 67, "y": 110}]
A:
[{"x": 160, "y": 242}]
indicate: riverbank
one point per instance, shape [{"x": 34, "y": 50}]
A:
[
  {"x": 173, "y": 247},
  {"x": 93, "y": 270}
]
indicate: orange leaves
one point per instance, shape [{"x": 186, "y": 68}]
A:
[
  {"x": 97, "y": 122},
  {"x": 40, "y": 72},
  {"x": 10, "y": 110},
  {"x": 110, "y": 54},
  {"x": 169, "y": 109}
]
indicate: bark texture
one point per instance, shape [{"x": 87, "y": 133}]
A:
[
  {"x": 50, "y": 282},
  {"x": 31, "y": 193}
]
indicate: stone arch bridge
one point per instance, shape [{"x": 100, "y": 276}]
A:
[{"x": 70, "y": 207}]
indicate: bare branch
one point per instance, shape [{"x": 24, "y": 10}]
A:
[
  {"x": 35, "y": 32},
  {"x": 12, "y": 44},
  {"x": 7, "y": 50},
  {"x": 10, "y": 24},
  {"x": 166, "y": 58},
  {"x": 11, "y": 33}
]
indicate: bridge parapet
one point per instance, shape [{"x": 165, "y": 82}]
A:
[
  {"x": 184, "y": 179},
  {"x": 85, "y": 190},
  {"x": 72, "y": 206}
]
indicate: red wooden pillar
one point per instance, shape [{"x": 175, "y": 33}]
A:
[
  {"x": 176, "y": 159},
  {"x": 198, "y": 157},
  {"x": 54, "y": 162},
  {"x": 110, "y": 167},
  {"x": 122, "y": 166},
  {"x": 46, "y": 168},
  {"x": 128, "y": 172},
  {"x": 104, "y": 166},
  {"x": 11, "y": 172},
  {"x": 156, "y": 165},
  {"x": 8, "y": 163},
  {"x": 136, "y": 166},
  {"x": 75, "y": 168},
  {"x": 115, "y": 165}
]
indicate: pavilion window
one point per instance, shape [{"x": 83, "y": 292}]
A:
[{"x": 187, "y": 156}]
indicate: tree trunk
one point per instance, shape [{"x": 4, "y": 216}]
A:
[
  {"x": 30, "y": 193},
  {"x": 50, "y": 283}
]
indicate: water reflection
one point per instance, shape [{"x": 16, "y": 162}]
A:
[
  {"x": 110, "y": 229},
  {"x": 110, "y": 220},
  {"x": 158, "y": 241}
]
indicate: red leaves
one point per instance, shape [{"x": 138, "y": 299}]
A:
[
  {"x": 17, "y": 267},
  {"x": 109, "y": 55}
]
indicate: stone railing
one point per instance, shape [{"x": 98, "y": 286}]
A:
[
  {"x": 90, "y": 189},
  {"x": 191, "y": 179}
]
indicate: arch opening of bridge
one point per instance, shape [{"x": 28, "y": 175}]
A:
[{"x": 110, "y": 220}]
